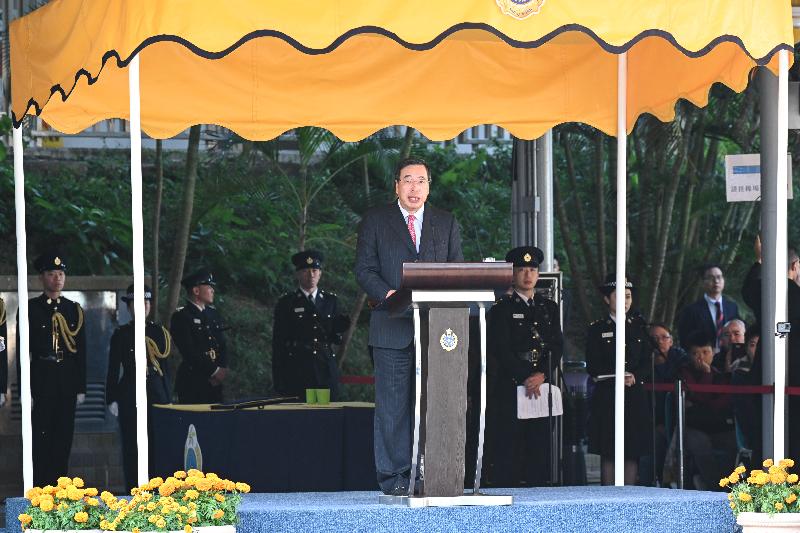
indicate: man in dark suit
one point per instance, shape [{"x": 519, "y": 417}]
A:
[
  {"x": 199, "y": 334},
  {"x": 708, "y": 315},
  {"x": 401, "y": 232},
  {"x": 307, "y": 324}
]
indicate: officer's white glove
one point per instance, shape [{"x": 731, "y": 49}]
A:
[
  {"x": 80, "y": 399},
  {"x": 113, "y": 408},
  {"x": 2, "y": 344},
  {"x": 2, "y": 399}
]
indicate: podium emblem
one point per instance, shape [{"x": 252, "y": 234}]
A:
[{"x": 448, "y": 340}]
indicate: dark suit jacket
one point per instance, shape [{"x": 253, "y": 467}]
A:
[
  {"x": 696, "y": 317},
  {"x": 384, "y": 244}
]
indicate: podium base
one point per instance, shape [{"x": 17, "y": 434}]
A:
[{"x": 445, "y": 501}]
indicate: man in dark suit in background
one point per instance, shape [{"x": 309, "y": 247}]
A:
[
  {"x": 405, "y": 231},
  {"x": 708, "y": 315}
]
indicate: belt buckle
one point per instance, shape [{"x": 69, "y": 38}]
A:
[
  {"x": 212, "y": 354},
  {"x": 59, "y": 356}
]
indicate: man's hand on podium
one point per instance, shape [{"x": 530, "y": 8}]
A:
[{"x": 532, "y": 384}]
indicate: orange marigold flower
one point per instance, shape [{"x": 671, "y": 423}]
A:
[
  {"x": 91, "y": 491},
  {"x": 63, "y": 482},
  {"x": 204, "y": 484},
  {"x": 166, "y": 489},
  {"x": 243, "y": 487},
  {"x": 791, "y": 498},
  {"x": 733, "y": 478},
  {"x": 194, "y": 472},
  {"x": 745, "y": 497},
  {"x": 25, "y": 519},
  {"x": 92, "y": 502},
  {"x": 219, "y": 513},
  {"x": 81, "y": 517},
  {"x": 187, "y": 528},
  {"x": 180, "y": 474},
  {"x": 791, "y": 478},
  {"x": 779, "y": 506},
  {"x": 78, "y": 482},
  {"x": 33, "y": 492},
  {"x": 740, "y": 469},
  {"x": 219, "y": 497},
  {"x": 767, "y": 463},
  {"x": 191, "y": 494},
  {"x": 724, "y": 482}
]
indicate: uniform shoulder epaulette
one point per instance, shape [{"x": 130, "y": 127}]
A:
[
  {"x": 179, "y": 309},
  {"x": 211, "y": 307},
  {"x": 596, "y": 322},
  {"x": 503, "y": 297}
]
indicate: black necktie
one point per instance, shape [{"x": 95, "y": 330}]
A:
[{"x": 530, "y": 302}]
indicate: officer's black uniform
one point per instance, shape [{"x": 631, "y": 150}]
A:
[
  {"x": 122, "y": 389},
  {"x": 200, "y": 337},
  {"x": 600, "y": 361},
  {"x": 302, "y": 337},
  {"x": 523, "y": 338},
  {"x": 3, "y": 348},
  {"x": 58, "y": 375}
]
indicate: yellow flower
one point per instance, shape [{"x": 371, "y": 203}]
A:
[
  {"x": 777, "y": 478},
  {"x": 191, "y": 520},
  {"x": 78, "y": 482},
  {"x": 791, "y": 478},
  {"x": 62, "y": 506},
  {"x": 92, "y": 502},
  {"x": 187, "y": 528},
  {"x": 180, "y": 474},
  {"x": 194, "y": 473},
  {"x": 161, "y": 524},
  {"x": 61, "y": 494},
  {"x": 791, "y": 498},
  {"x": 63, "y": 482},
  {"x": 135, "y": 491},
  {"x": 46, "y": 505},
  {"x": 219, "y": 513},
  {"x": 105, "y": 495},
  {"x": 733, "y": 478},
  {"x": 243, "y": 487},
  {"x": 767, "y": 463},
  {"x": 730, "y": 496},
  {"x": 25, "y": 519},
  {"x": 156, "y": 482},
  {"x": 761, "y": 479},
  {"x": 192, "y": 494},
  {"x": 212, "y": 475},
  {"x": 740, "y": 469},
  {"x": 136, "y": 530},
  {"x": 204, "y": 484},
  {"x": 166, "y": 489},
  {"x": 219, "y": 497},
  {"x": 91, "y": 491},
  {"x": 192, "y": 505},
  {"x": 230, "y": 486},
  {"x": 779, "y": 506},
  {"x": 723, "y": 482},
  {"x": 733, "y": 505},
  {"x": 745, "y": 497},
  {"x": 33, "y": 492},
  {"x": 74, "y": 493},
  {"x": 151, "y": 506},
  {"x": 81, "y": 517},
  {"x": 788, "y": 462}
]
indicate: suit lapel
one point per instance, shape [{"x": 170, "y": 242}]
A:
[{"x": 398, "y": 224}]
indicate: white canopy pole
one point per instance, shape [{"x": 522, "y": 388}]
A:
[
  {"x": 140, "y": 348},
  {"x": 619, "y": 334},
  {"x": 781, "y": 244},
  {"x": 23, "y": 350}
]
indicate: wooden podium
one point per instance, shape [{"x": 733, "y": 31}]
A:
[{"x": 440, "y": 295}]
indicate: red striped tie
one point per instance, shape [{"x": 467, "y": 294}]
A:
[
  {"x": 720, "y": 319},
  {"x": 411, "y": 229}
]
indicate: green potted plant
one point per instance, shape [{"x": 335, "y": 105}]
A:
[{"x": 765, "y": 500}]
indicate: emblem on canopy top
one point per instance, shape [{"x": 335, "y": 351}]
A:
[
  {"x": 520, "y": 9},
  {"x": 448, "y": 340}
]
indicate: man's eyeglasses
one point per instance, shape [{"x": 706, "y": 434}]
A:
[
  {"x": 713, "y": 278},
  {"x": 661, "y": 337},
  {"x": 408, "y": 180}
]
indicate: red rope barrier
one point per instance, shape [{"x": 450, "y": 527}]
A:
[
  {"x": 725, "y": 389},
  {"x": 357, "y": 380}
]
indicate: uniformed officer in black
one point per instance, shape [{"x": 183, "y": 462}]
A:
[
  {"x": 58, "y": 369},
  {"x": 3, "y": 353},
  {"x": 306, "y": 325},
  {"x": 525, "y": 344},
  {"x": 121, "y": 379},
  {"x": 600, "y": 364},
  {"x": 198, "y": 332}
]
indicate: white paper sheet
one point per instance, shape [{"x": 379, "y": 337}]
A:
[{"x": 538, "y": 407}]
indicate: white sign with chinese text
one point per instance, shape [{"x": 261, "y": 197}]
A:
[{"x": 743, "y": 177}]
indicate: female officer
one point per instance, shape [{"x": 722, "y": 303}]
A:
[
  {"x": 600, "y": 364},
  {"x": 121, "y": 389}
]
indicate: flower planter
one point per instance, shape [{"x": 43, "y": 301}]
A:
[
  {"x": 201, "y": 529},
  {"x": 765, "y": 523}
]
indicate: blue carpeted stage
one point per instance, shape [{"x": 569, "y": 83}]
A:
[{"x": 563, "y": 509}]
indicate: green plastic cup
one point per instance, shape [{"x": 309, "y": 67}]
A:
[
  {"x": 323, "y": 396},
  {"x": 311, "y": 396}
]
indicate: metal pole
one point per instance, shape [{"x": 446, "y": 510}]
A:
[
  {"x": 681, "y": 420},
  {"x": 139, "y": 323},
  {"x": 619, "y": 370},
  {"x": 544, "y": 189},
  {"x": 417, "y": 398},
  {"x": 482, "y": 424},
  {"x": 23, "y": 328},
  {"x": 781, "y": 243}
]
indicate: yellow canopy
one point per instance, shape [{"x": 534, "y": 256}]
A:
[{"x": 356, "y": 66}]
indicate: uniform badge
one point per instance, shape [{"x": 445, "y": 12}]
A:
[
  {"x": 518, "y": 315},
  {"x": 57, "y": 261},
  {"x": 448, "y": 340},
  {"x": 197, "y": 321},
  {"x": 608, "y": 334},
  {"x": 520, "y": 9},
  {"x": 526, "y": 258},
  {"x": 309, "y": 260}
]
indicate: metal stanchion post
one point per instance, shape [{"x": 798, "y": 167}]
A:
[{"x": 681, "y": 413}]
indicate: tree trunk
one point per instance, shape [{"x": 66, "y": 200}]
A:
[
  {"x": 588, "y": 256},
  {"x": 599, "y": 183},
  {"x": 157, "y": 226},
  {"x": 185, "y": 222},
  {"x": 355, "y": 314}
]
